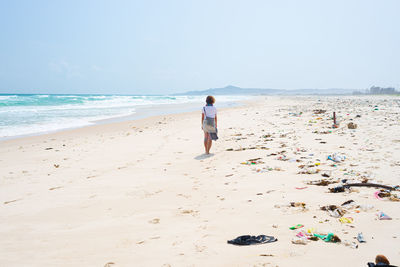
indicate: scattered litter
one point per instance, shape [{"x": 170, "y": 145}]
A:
[
  {"x": 246, "y": 240},
  {"x": 330, "y": 237},
  {"x": 252, "y": 161},
  {"x": 337, "y": 189},
  {"x": 322, "y": 182},
  {"x": 376, "y": 194},
  {"x": 347, "y": 202},
  {"x": 327, "y": 175},
  {"x": 334, "y": 211},
  {"x": 298, "y": 204},
  {"x": 383, "y": 216},
  {"x": 336, "y": 157},
  {"x": 296, "y": 227},
  {"x": 352, "y": 125},
  {"x": 346, "y": 220},
  {"x": 360, "y": 238}
]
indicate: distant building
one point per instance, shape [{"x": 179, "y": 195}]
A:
[{"x": 376, "y": 90}]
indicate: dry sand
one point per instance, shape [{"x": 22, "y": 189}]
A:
[{"x": 142, "y": 193}]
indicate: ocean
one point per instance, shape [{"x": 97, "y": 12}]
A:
[{"x": 33, "y": 114}]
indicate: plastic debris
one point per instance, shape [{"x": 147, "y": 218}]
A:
[
  {"x": 346, "y": 220},
  {"x": 252, "y": 161},
  {"x": 330, "y": 237},
  {"x": 246, "y": 240},
  {"x": 296, "y": 227},
  {"x": 337, "y": 157},
  {"x": 383, "y": 216},
  {"x": 360, "y": 238}
]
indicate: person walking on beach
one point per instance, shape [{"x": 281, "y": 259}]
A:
[{"x": 209, "y": 123}]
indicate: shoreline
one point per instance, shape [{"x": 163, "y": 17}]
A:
[
  {"x": 142, "y": 112},
  {"x": 123, "y": 192}
]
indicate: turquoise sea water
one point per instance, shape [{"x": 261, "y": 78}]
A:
[{"x": 23, "y": 114}]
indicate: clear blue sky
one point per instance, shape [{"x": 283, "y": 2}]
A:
[{"x": 139, "y": 47}]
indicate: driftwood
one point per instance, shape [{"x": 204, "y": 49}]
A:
[
  {"x": 370, "y": 185},
  {"x": 341, "y": 188}
]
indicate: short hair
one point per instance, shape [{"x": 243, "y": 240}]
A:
[{"x": 210, "y": 99}]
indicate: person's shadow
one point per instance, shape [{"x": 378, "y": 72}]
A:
[{"x": 204, "y": 156}]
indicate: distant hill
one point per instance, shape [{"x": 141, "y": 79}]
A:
[{"x": 234, "y": 90}]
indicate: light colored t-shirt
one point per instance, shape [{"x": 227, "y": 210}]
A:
[{"x": 211, "y": 111}]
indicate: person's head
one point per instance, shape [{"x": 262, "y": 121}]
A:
[
  {"x": 381, "y": 259},
  {"x": 210, "y": 100}
]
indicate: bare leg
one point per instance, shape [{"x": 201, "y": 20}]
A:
[
  {"x": 206, "y": 142},
  {"x": 209, "y": 143}
]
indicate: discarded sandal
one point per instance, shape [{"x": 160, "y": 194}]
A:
[
  {"x": 346, "y": 220},
  {"x": 296, "y": 227}
]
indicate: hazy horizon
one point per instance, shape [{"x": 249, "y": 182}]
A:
[{"x": 165, "y": 47}]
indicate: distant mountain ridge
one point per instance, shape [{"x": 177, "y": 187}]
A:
[{"x": 234, "y": 90}]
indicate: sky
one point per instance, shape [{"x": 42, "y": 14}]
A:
[{"x": 169, "y": 46}]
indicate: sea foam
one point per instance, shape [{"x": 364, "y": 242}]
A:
[{"x": 34, "y": 114}]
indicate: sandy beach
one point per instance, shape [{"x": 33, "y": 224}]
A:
[{"x": 143, "y": 193}]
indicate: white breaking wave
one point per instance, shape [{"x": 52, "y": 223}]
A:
[{"x": 34, "y": 114}]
